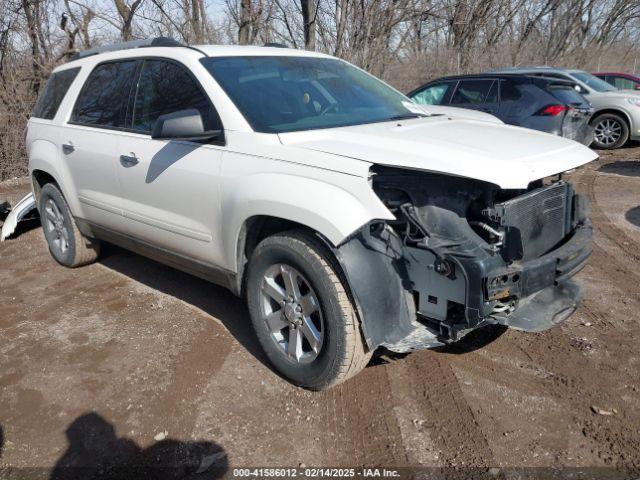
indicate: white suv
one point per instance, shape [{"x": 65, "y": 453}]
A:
[{"x": 349, "y": 218}]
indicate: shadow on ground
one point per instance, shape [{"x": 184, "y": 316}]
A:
[
  {"x": 95, "y": 451},
  {"x": 215, "y": 301},
  {"x": 474, "y": 340},
  {"x": 627, "y": 168}
]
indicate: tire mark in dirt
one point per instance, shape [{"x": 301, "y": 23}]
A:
[
  {"x": 362, "y": 428},
  {"x": 429, "y": 380},
  {"x": 190, "y": 377},
  {"x": 572, "y": 380},
  {"x": 600, "y": 221}
]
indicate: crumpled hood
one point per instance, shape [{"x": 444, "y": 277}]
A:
[{"x": 510, "y": 157}]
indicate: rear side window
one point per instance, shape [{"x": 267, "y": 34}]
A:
[
  {"x": 165, "y": 87},
  {"x": 104, "y": 96},
  {"x": 567, "y": 95},
  {"x": 53, "y": 93},
  {"x": 509, "y": 91},
  {"x": 474, "y": 92},
  {"x": 433, "y": 95}
]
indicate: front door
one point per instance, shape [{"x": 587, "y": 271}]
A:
[
  {"x": 170, "y": 189},
  {"x": 89, "y": 141}
]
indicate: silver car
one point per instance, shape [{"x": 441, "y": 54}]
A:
[{"x": 616, "y": 118}]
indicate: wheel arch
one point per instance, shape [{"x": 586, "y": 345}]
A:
[
  {"x": 272, "y": 202},
  {"x": 259, "y": 227},
  {"x": 615, "y": 111},
  {"x": 39, "y": 178}
]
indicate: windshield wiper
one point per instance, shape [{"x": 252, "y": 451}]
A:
[{"x": 407, "y": 116}]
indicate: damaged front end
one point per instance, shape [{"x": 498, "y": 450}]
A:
[{"x": 462, "y": 254}]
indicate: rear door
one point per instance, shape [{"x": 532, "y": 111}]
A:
[
  {"x": 89, "y": 141},
  {"x": 513, "y": 105},
  {"x": 170, "y": 189},
  {"x": 477, "y": 94}
]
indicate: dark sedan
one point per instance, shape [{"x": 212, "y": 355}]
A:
[{"x": 546, "y": 104}]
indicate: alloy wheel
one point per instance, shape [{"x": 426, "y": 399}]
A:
[
  {"x": 56, "y": 227},
  {"x": 291, "y": 310},
  {"x": 608, "y": 132}
]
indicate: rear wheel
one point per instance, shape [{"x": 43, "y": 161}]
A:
[
  {"x": 301, "y": 312},
  {"x": 67, "y": 245},
  {"x": 610, "y": 131}
]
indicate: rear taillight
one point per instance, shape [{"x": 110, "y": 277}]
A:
[{"x": 553, "y": 110}]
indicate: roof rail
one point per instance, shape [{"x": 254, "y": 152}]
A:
[
  {"x": 275, "y": 45},
  {"x": 142, "y": 43}
]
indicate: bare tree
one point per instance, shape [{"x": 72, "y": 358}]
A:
[{"x": 127, "y": 13}]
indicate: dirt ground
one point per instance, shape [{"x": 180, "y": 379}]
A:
[{"x": 127, "y": 360}]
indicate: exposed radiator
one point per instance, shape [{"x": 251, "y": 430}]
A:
[{"x": 536, "y": 221}]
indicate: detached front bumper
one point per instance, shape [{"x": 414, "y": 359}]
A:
[{"x": 543, "y": 292}]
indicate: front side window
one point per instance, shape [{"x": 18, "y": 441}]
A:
[
  {"x": 285, "y": 94},
  {"x": 53, "y": 93},
  {"x": 165, "y": 87},
  {"x": 433, "y": 95},
  {"x": 474, "y": 92},
  {"x": 104, "y": 96},
  {"x": 593, "y": 82}
]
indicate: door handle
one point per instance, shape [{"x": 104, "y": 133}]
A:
[
  {"x": 129, "y": 160},
  {"x": 68, "y": 148}
]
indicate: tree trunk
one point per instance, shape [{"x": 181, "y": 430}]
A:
[
  {"x": 309, "y": 11},
  {"x": 245, "y": 22},
  {"x": 36, "y": 54}
]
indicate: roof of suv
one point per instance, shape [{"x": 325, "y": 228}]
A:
[
  {"x": 534, "y": 69},
  {"x": 251, "y": 50},
  {"x": 171, "y": 48},
  {"x": 523, "y": 76}
]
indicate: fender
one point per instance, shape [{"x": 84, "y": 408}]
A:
[
  {"x": 615, "y": 110},
  {"x": 334, "y": 206}
]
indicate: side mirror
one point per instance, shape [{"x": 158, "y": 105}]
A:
[{"x": 182, "y": 125}]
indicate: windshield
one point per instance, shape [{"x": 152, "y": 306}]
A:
[
  {"x": 593, "y": 82},
  {"x": 286, "y": 94}
]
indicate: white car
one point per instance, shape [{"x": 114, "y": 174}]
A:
[{"x": 348, "y": 217}]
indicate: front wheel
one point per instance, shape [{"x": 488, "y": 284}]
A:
[
  {"x": 301, "y": 312},
  {"x": 610, "y": 131}
]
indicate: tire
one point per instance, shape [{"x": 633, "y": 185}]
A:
[
  {"x": 66, "y": 244},
  {"x": 339, "y": 351},
  {"x": 611, "y": 131}
]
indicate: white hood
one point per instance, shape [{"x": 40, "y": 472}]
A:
[{"x": 510, "y": 157}]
